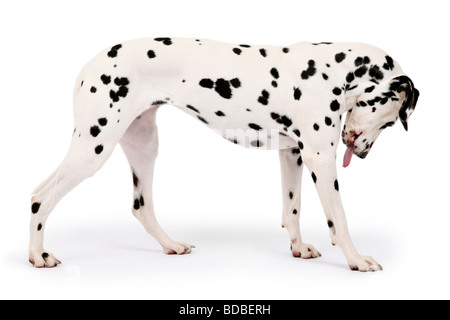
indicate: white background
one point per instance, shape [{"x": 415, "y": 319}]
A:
[{"x": 224, "y": 199}]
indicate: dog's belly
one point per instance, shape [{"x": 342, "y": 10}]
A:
[
  {"x": 241, "y": 121},
  {"x": 250, "y": 134}
]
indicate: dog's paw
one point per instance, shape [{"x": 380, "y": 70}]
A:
[
  {"x": 43, "y": 260},
  {"x": 365, "y": 264},
  {"x": 178, "y": 247},
  {"x": 304, "y": 251}
]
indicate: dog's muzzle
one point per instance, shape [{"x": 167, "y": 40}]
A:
[{"x": 350, "y": 142}]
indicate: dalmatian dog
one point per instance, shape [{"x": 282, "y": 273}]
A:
[{"x": 289, "y": 99}]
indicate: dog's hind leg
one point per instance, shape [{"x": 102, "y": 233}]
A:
[
  {"x": 83, "y": 159},
  {"x": 291, "y": 177},
  {"x": 98, "y": 129},
  {"x": 140, "y": 145}
]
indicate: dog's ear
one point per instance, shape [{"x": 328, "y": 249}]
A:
[{"x": 404, "y": 84}]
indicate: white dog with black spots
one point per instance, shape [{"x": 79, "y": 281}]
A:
[{"x": 265, "y": 97}]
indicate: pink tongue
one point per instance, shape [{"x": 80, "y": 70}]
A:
[{"x": 348, "y": 156}]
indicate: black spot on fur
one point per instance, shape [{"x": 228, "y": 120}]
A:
[
  {"x": 313, "y": 175},
  {"x": 361, "y": 71},
  {"x": 336, "y": 185},
  {"x": 389, "y": 65},
  {"x": 237, "y": 51},
  {"x": 45, "y": 255},
  {"x": 136, "y": 204},
  {"x": 310, "y": 71},
  {"x": 337, "y": 91},
  {"x": 158, "y": 102},
  {"x": 103, "y": 122},
  {"x": 114, "y": 96},
  {"x": 99, "y": 149},
  {"x": 151, "y": 54},
  {"x": 236, "y": 83},
  {"x": 339, "y": 57},
  {"x": 297, "y": 93},
  {"x": 316, "y": 127},
  {"x": 207, "y": 83},
  {"x": 294, "y": 211},
  {"x": 286, "y": 50},
  {"x": 135, "y": 180},
  {"x": 264, "y": 97},
  {"x": 286, "y": 121},
  {"x": 274, "y": 72},
  {"x": 376, "y": 73},
  {"x": 255, "y": 126},
  {"x": 362, "y": 60},
  {"x": 39, "y": 227},
  {"x": 369, "y": 89},
  {"x": 274, "y": 115},
  {"x": 123, "y": 89},
  {"x": 291, "y": 195},
  {"x": 95, "y": 131},
  {"x": 324, "y": 76},
  {"x": 114, "y": 51},
  {"x": 263, "y": 52},
  {"x": 105, "y": 79},
  {"x": 202, "y": 120},
  {"x": 296, "y": 132},
  {"x": 165, "y": 41},
  {"x": 121, "y": 82},
  {"x": 141, "y": 201},
  {"x": 388, "y": 124},
  {"x": 282, "y": 119},
  {"x": 361, "y": 104},
  {"x": 93, "y": 89},
  {"x": 220, "y": 114},
  {"x": 221, "y": 86},
  {"x": 350, "y": 77},
  {"x": 330, "y": 224},
  {"x": 35, "y": 207},
  {"x": 335, "y": 106}
]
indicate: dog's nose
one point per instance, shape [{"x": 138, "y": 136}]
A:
[{"x": 363, "y": 154}]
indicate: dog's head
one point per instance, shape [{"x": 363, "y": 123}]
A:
[{"x": 376, "y": 109}]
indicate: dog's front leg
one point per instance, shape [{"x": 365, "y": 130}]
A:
[
  {"x": 291, "y": 178},
  {"x": 324, "y": 174}
]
